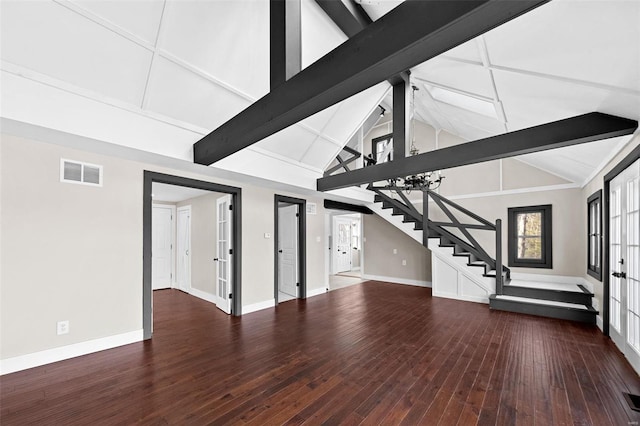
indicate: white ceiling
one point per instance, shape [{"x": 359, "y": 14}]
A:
[
  {"x": 158, "y": 75},
  {"x": 175, "y": 193}
]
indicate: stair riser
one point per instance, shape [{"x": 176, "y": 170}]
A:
[
  {"x": 542, "y": 294},
  {"x": 558, "y": 312}
]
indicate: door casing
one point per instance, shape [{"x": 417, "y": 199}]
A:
[
  {"x": 183, "y": 282},
  {"x": 302, "y": 244},
  {"x": 149, "y": 178}
]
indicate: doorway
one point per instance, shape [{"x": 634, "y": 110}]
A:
[
  {"x": 163, "y": 245},
  {"x": 230, "y": 241},
  {"x": 346, "y": 250},
  {"x": 622, "y": 279},
  {"x": 290, "y": 252}
]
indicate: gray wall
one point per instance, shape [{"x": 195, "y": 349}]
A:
[
  {"x": 74, "y": 252},
  {"x": 381, "y": 239}
]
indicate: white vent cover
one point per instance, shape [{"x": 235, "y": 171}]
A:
[{"x": 83, "y": 173}]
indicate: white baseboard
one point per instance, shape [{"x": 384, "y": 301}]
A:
[
  {"x": 316, "y": 292},
  {"x": 23, "y": 362},
  {"x": 203, "y": 295},
  {"x": 599, "y": 323},
  {"x": 464, "y": 298},
  {"x": 247, "y": 309},
  {"x": 394, "y": 280}
]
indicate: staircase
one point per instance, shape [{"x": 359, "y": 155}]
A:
[{"x": 563, "y": 301}]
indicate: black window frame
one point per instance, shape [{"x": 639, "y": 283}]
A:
[
  {"x": 374, "y": 147},
  {"x": 593, "y": 270},
  {"x": 546, "y": 261}
]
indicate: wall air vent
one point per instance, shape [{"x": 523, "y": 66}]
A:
[{"x": 82, "y": 173}]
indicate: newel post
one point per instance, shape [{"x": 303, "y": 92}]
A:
[{"x": 499, "y": 276}]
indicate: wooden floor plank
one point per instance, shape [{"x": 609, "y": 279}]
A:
[{"x": 373, "y": 353}]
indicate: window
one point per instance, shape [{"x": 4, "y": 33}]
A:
[
  {"x": 380, "y": 146},
  {"x": 530, "y": 236},
  {"x": 594, "y": 235}
]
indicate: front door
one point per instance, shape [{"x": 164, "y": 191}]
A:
[
  {"x": 624, "y": 262},
  {"x": 162, "y": 246},
  {"x": 224, "y": 252},
  {"x": 342, "y": 245},
  {"x": 183, "y": 249},
  {"x": 288, "y": 249}
]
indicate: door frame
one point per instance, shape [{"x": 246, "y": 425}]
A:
[
  {"x": 621, "y": 166},
  {"x": 147, "y": 202},
  {"x": 302, "y": 243},
  {"x": 172, "y": 284},
  {"x": 186, "y": 208}
]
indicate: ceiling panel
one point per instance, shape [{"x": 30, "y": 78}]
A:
[
  {"x": 488, "y": 125},
  {"x": 53, "y": 40},
  {"x": 227, "y": 39},
  {"x": 315, "y": 22},
  {"x": 320, "y": 153},
  {"x": 319, "y": 120},
  {"x": 183, "y": 95},
  {"x": 139, "y": 17},
  {"x": 467, "y": 51},
  {"x": 465, "y": 77},
  {"x": 291, "y": 142},
  {"x": 530, "y": 101},
  {"x": 596, "y": 41}
]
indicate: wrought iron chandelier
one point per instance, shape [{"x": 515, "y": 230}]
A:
[{"x": 421, "y": 181}]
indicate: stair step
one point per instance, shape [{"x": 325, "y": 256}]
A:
[
  {"x": 568, "y": 293},
  {"x": 477, "y": 263},
  {"x": 544, "y": 308}
]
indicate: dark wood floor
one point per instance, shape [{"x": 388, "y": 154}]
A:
[{"x": 373, "y": 353}]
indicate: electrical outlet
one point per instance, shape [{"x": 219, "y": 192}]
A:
[
  {"x": 395, "y": 251},
  {"x": 404, "y": 262},
  {"x": 63, "y": 327}
]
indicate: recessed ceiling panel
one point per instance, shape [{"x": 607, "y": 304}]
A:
[
  {"x": 530, "y": 101},
  {"x": 139, "y": 17},
  {"x": 183, "y": 95},
  {"x": 227, "y": 39},
  {"x": 319, "y": 34},
  {"x": 51, "y": 39},
  {"x": 474, "y": 79},
  {"x": 596, "y": 41},
  {"x": 291, "y": 142}
]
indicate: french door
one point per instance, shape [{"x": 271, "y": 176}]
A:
[
  {"x": 624, "y": 260},
  {"x": 224, "y": 252}
]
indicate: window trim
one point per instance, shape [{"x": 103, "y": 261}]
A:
[
  {"x": 374, "y": 147},
  {"x": 546, "y": 261},
  {"x": 592, "y": 270}
]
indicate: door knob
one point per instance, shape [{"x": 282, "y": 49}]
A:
[
  {"x": 215, "y": 259},
  {"x": 279, "y": 251},
  {"x": 619, "y": 274}
]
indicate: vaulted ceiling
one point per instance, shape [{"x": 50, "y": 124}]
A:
[{"x": 158, "y": 75}]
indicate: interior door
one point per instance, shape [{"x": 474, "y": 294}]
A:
[
  {"x": 288, "y": 249},
  {"x": 183, "y": 249},
  {"x": 224, "y": 250},
  {"x": 162, "y": 246},
  {"x": 342, "y": 245},
  {"x": 624, "y": 260}
]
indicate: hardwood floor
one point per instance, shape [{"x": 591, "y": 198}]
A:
[{"x": 372, "y": 353}]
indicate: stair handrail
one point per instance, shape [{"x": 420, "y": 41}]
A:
[
  {"x": 344, "y": 163},
  {"x": 457, "y": 206}
]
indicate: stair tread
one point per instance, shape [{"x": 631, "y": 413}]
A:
[
  {"x": 544, "y": 302},
  {"x": 548, "y": 286}
]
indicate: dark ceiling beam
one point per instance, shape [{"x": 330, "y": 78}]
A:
[
  {"x": 571, "y": 131},
  {"x": 348, "y": 22},
  {"x": 338, "y": 205},
  {"x": 285, "y": 39},
  {"x": 408, "y": 35},
  {"x": 401, "y": 116}
]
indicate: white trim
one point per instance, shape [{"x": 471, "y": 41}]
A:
[
  {"x": 203, "y": 295},
  {"x": 394, "y": 280},
  {"x": 247, "y": 309},
  {"x": 316, "y": 292},
  {"x": 35, "y": 359},
  {"x": 513, "y": 191},
  {"x": 461, "y": 297},
  {"x": 559, "y": 279}
]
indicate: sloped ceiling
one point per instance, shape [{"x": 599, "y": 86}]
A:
[{"x": 158, "y": 75}]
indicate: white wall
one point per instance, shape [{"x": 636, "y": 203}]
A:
[{"x": 74, "y": 252}]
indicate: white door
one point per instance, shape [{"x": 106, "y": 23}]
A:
[
  {"x": 341, "y": 245},
  {"x": 162, "y": 246},
  {"x": 624, "y": 262},
  {"x": 288, "y": 249},
  {"x": 224, "y": 249},
  {"x": 183, "y": 249}
]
